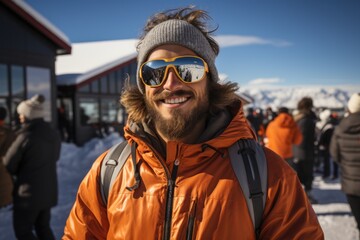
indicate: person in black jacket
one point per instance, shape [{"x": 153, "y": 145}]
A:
[
  {"x": 325, "y": 130},
  {"x": 31, "y": 159},
  {"x": 345, "y": 150},
  {"x": 304, "y": 153}
]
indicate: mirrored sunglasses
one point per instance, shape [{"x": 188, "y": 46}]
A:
[{"x": 188, "y": 69}]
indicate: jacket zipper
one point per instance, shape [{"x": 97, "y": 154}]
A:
[
  {"x": 170, "y": 193},
  {"x": 170, "y": 199},
  {"x": 190, "y": 227}
]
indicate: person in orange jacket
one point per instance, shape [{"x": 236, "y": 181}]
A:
[
  {"x": 183, "y": 121},
  {"x": 282, "y": 133}
]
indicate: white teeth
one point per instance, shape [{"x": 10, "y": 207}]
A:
[{"x": 175, "y": 100}]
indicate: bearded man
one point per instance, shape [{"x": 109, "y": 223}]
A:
[{"x": 180, "y": 184}]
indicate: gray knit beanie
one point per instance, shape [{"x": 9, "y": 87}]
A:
[
  {"x": 354, "y": 103},
  {"x": 32, "y": 108},
  {"x": 181, "y": 33}
]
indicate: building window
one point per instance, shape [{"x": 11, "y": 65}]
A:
[
  {"x": 89, "y": 111},
  {"x": 104, "y": 84},
  {"x": 38, "y": 82},
  {"x": 120, "y": 78},
  {"x": 4, "y": 88},
  {"x": 95, "y": 86},
  {"x": 85, "y": 88},
  {"x": 132, "y": 72},
  {"x": 17, "y": 81},
  {"x": 109, "y": 110},
  {"x": 112, "y": 82}
]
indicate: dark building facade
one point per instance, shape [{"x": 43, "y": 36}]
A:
[
  {"x": 90, "y": 108},
  {"x": 28, "y": 50},
  {"x": 82, "y": 103}
]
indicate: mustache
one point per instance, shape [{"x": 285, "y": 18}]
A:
[{"x": 165, "y": 94}]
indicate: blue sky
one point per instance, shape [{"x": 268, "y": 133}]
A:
[{"x": 279, "y": 42}]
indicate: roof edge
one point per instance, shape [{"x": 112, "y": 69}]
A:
[
  {"x": 40, "y": 23},
  {"x": 79, "y": 78}
]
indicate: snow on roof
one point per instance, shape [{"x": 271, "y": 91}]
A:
[
  {"x": 66, "y": 44},
  {"x": 89, "y": 59}
]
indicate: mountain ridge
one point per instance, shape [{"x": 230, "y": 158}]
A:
[{"x": 333, "y": 97}]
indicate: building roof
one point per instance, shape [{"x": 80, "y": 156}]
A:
[
  {"x": 36, "y": 20},
  {"x": 90, "y": 59}
]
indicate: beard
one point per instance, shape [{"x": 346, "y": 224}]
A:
[{"x": 181, "y": 123}]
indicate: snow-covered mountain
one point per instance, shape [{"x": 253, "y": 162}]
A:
[{"x": 334, "y": 97}]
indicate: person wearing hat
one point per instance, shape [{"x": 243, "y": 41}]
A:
[
  {"x": 181, "y": 184},
  {"x": 7, "y": 136},
  {"x": 345, "y": 150},
  {"x": 31, "y": 159}
]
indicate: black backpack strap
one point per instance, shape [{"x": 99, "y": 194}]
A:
[
  {"x": 136, "y": 169},
  {"x": 250, "y": 167},
  {"x": 110, "y": 167}
]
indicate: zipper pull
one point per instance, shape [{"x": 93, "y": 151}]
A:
[
  {"x": 177, "y": 162},
  {"x": 174, "y": 171}
]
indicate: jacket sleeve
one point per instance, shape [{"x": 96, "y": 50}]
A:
[
  {"x": 13, "y": 156},
  {"x": 88, "y": 216},
  {"x": 288, "y": 214}
]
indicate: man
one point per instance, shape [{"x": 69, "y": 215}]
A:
[
  {"x": 282, "y": 133},
  {"x": 304, "y": 153},
  {"x": 182, "y": 122},
  {"x": 32, "y": 160},
  {"x": 6, "y": 138},
  {"x": 345, "y": 150}
]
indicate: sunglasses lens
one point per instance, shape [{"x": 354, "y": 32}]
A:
[
  {"x": 152, "y": 72},
  {"x": 189, "y": 69}
]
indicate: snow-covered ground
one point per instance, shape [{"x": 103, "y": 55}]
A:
[{"x": 333, "y": 211}]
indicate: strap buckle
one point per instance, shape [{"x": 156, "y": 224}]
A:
[
  {"x": 256, "y": 195},
  {"x": 111, "y": 162}
]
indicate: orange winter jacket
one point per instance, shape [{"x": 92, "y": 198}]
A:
[
  {"x": 282, "y": 133},
  {"x": 207, "y": 201}
]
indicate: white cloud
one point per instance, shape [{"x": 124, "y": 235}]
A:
[
  {"x": 238, "y": 40},
  {"x": 259, "y": 81}
]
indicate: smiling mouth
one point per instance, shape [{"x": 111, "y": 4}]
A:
[{"x": 176, "y": 100}]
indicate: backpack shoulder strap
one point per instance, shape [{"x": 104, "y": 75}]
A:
[
  {"x": 249, "y": 163},
  {"x": 111, "y": 166}
]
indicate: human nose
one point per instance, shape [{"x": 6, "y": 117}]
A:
[{"x": 172, "y": 81}]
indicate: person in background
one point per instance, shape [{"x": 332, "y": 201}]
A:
[
  {"x": 180, "y": 184},
  {"x": 282, "y": 133},
  {"x": 345, "y": 150},
  {"x": 325, "y": 128},
  {"x": 7, "y": 136},
  {"x": 254, "y": 118},
  {"x": 64, "y": 125},
  {"x": 31, "y": 159},
  {"x": 268, "y": 116},
  {"x": 304, "y": 153}
]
